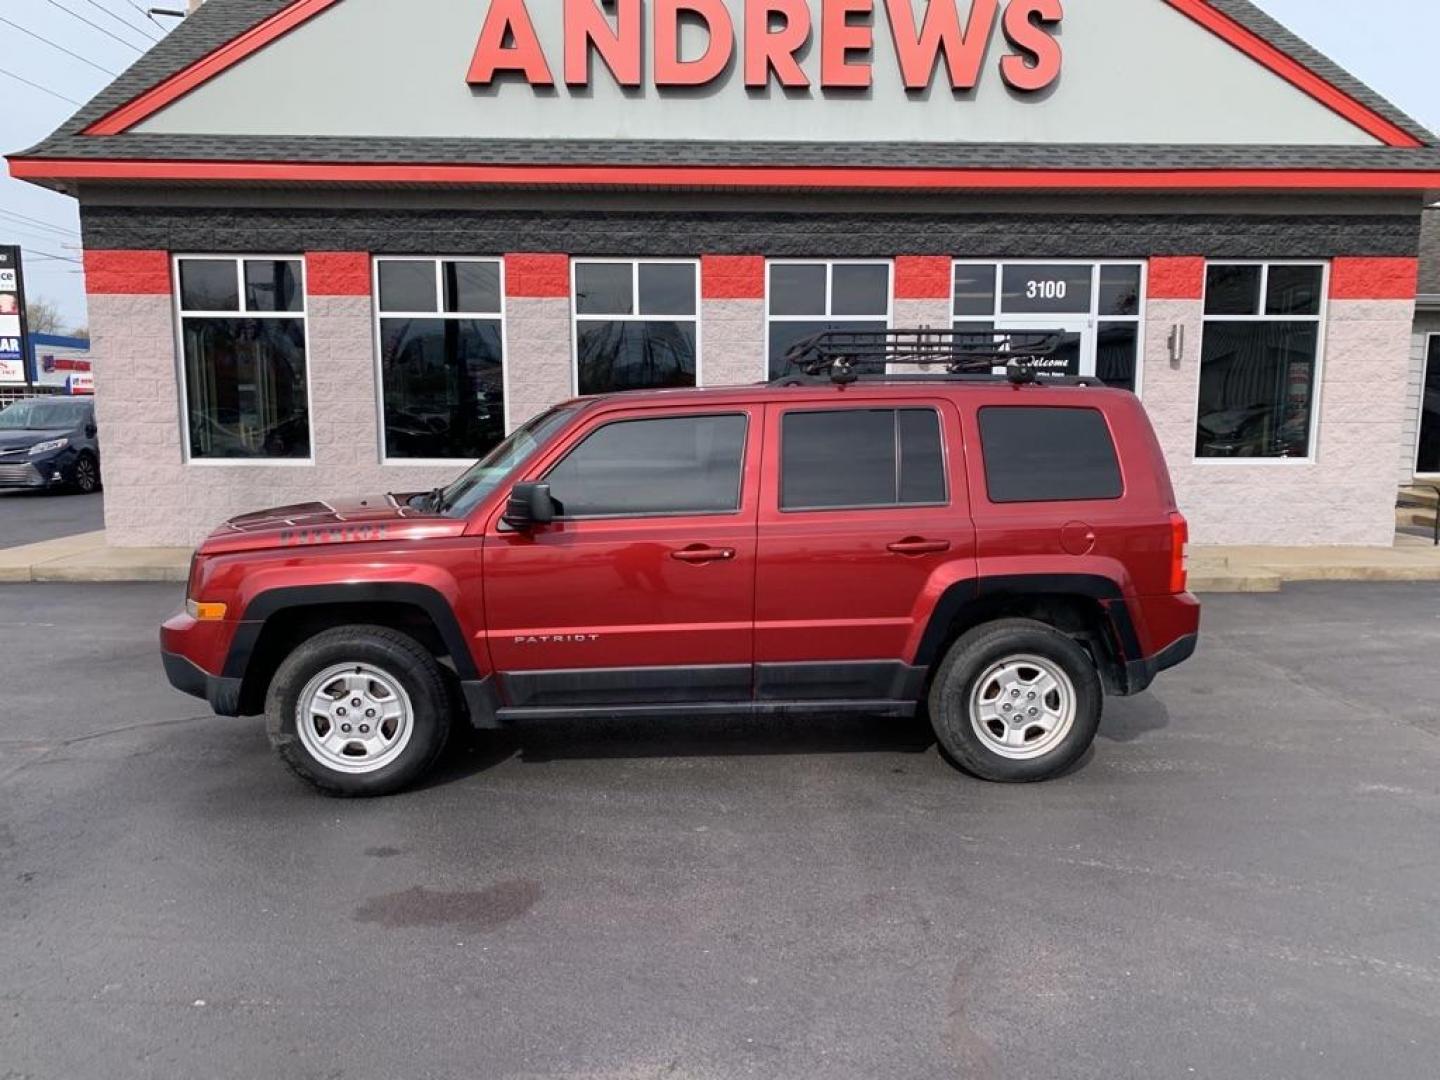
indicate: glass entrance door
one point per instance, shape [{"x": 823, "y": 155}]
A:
[
  {"x": 1427, "y": 459},
  {"x": 1076, "y": 354}
]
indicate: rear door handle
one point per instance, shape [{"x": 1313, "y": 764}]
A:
[
  {"x": 917, "y": 546},
  {"x": 702, "y": 554}
]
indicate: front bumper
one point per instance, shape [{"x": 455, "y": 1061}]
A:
[
  {"x": 186, "y": 676},
  {"x": 32, "y": 472}
]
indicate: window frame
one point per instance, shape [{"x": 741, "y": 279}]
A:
[
  {"x": 829, "y": 264},
  {"x": 1139, "y": 318},
  {"x": 181, "y": 313},
  {"x": 610, "y": 421},
  {"x": 1322, "y": 321},
  {"x": 946, "y": 460},
  {"x": 377, "y": 316},
  {"x": 634, "y": 262}
]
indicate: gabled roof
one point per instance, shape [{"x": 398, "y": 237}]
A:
[{"x": 220, "y": 32}]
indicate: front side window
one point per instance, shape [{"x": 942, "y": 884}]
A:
[
  {"x": 651, "y": 468},
  {"x": 242, "y": 331},
  {"x": 442, "y": 363},
  {"x": 1259, "y": 360},
  {"x": 636, "y": 325},
  {"x": 861, "y": 459},
  {"x": 808, "y": 298},
  {"x": 1048, "y": 454}
]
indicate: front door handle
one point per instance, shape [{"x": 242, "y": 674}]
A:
[
  {"x": 914, "y": 545},
  {"x": 699, "y": 553}
]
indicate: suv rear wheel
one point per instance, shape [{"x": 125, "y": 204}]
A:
[
  {"x": 1016, "y": 701},
  {"x": 359, "y": 710}
]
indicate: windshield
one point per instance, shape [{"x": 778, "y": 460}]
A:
[
  {"x": 37, "y": 414},
  {"x": 491, "y": 471}
]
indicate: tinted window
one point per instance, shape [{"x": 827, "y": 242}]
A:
[
  {"x": 861, "y": 458},
  {"x": 1232, "y": 290},
  {"x": 272, "y": 285},
  {"x": 1046, "y": 289},
  {"x": 407, "y": 285},
  {"x": 684, "y": 465},
  {"x": 1048, "y": 455},
  {"x": 209, "y": 285}
]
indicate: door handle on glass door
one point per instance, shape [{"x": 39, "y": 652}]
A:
[
  {"x": 914, "y": 545},
  {"x": 702, "y": 554}
]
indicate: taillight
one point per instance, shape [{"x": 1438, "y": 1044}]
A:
[{"x": 1179, "y": 553}]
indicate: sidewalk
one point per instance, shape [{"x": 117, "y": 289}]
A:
[
  {"x": 88, "y": 558},
  {"x": 1212, "y": 569}
]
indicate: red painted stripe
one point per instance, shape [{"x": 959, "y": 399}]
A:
[
  {"x": 740, "y": 176},
  {"x": 1374, "y": 279},
  {"x": 732, "y": 277},
  {"x": 209, "y": 66},
  {"x": 337, "y": 273},
  {"x": 127, "y": 273},
  {"x": 1177, "y": 278},
  {"x": 922, "y": 277},
  {"x": 1295, "y": 73},
  {"x": 537, "y": 277}
]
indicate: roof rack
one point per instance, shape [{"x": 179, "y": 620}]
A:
[{"x": 845, "y": 356}]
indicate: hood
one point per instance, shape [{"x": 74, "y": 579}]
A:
[
  {"x": 25, "y": 438},
  {"x": 376, "y": 519}
]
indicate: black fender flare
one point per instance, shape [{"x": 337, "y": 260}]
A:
[
  {"x": 272, "y": 602},
  {"x": 1105, "y": 591}
]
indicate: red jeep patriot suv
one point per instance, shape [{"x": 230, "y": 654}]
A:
[{"x": 997, "y": 551}]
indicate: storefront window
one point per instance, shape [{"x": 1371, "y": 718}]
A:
[
  {"x": 1427, "y": 461},
  {"x": 1094, "y": 306},
  {"x": 808, "y": 298},
  {"x": 636, "y": 325},
  {"x": 242, "y": 331},
  {"x": 441, "y": 357},
  {"x": 1259, "y": 360}
]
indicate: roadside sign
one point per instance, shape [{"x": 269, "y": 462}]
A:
[{"x": 13, "y": 352}]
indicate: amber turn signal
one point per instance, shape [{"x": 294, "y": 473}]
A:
[{"x": 205, "y": 612}]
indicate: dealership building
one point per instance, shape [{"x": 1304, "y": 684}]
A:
[{"x": 342, "y": 246}]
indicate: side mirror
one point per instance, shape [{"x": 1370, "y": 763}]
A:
[
  {"x": 90, "y": 430},
  {"x": 529, "y": 505}
]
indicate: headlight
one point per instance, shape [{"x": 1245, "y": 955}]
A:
[{"x": 49, "y": 447}]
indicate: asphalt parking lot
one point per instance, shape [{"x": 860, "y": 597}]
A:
[
  {"x": 30, "y": 517},
  {"x": 1241, "y": 882}
]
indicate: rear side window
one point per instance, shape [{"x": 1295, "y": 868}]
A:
[
  {"x": 1048, "y": 455},
  {"x": 861, "y": 458},
  {"x": 652, "y": 468}
]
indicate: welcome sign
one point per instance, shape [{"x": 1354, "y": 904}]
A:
[{"x": 789, "y": 43}]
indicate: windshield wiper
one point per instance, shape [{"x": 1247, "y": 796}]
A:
[{"x": 437, "y": 500}]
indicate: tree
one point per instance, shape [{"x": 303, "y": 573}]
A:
[{"x": 42, "y": 316}]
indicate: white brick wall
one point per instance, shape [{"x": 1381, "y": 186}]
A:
[
  {"x": 539, "y": 356},
  {"x": 732, "y": 342}
]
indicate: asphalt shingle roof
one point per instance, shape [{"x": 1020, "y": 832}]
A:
[{"x": 220, "y": 21}]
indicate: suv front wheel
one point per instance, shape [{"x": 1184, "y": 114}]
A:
[
  {"x": 1016, "y": 701},
  {"x": 359, "y": 710}
]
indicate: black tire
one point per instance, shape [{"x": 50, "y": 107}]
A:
[
  {"x": 977, "y": 653},
  {"x": 85, "y": 475},
  {"x": 399, "y": 657}
]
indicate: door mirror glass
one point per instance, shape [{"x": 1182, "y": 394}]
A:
[{"x": 529, "y": 505}]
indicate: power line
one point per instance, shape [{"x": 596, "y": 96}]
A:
[
  {"x": 142, "y": 31},
  {"x": 94, "y": 25},
  {"x": 23, "y": 219},
  {"x": 37, "y": 86},
  {"x": 52, "y": 255},
  {"x": 61, "y": 48},
  {"x": 145, "y": 14}
]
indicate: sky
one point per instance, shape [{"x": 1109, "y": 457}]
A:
[{"x": 1389, "y": 44}]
